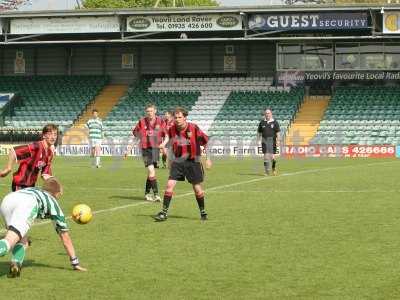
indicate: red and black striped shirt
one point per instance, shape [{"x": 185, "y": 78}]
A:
[
  {"x": 186, "y": 142},
  {"x": 149, "y": 133},
  {"x": 168, "y": 124},
  {"x": 33, "y": 158}
]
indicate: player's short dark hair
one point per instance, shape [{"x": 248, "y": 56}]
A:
[
  {"x": 52, "y": 185},
  {"x": 170, "y": 112},
  {"x": 49, "y": 128},
  {"x": 148, "y": 105},
  {"x": 181, "y": 110},
  {"x": 95, "y": 110}
]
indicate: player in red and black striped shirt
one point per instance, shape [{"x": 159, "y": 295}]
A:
[
  {"x": 169, "y": 121},
  {"x": 33, "y": 159},
  {"x": 151, "y": 131},
  {"x": 186, "y": 141}
]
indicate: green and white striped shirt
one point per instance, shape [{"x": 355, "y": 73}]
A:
[
  {"x": 95, "y": 127},
  {"x": 48, "y": 207}
]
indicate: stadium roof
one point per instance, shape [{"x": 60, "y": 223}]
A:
[
  {"x": 371, "y": 32},
  {"x": 191, "y": 10}
]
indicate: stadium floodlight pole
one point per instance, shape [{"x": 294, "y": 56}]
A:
[{"x": 245, "y": 22}]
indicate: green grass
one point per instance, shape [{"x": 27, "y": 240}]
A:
[{"x": 322, "y": 229}]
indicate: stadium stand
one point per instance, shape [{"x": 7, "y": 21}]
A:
[
  {"x": 361, "y": 115},
  {"x": 44, "y": 99},
  {"x": 125, "y": 114},
  {"x": 214, "y": 93},
  {"x": 240, "y": 115},
  {"x": 224, "y": 106}
]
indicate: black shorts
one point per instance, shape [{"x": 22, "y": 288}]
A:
[
  {"x": 15, "y": 187},
  {"x": 268, "y": 146},
  {"x": 189, "y": 169},
  {"x": 151, "y": 156}
]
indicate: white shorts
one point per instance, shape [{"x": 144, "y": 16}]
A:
[
  {"x": 19, "y": 211},
  {"x": 94, "y": 143}
]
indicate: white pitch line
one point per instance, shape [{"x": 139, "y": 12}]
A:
[
  {"x": 227, "y": 186},
  {"x": 306, "y": 191}
]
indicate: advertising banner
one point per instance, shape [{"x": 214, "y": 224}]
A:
[
  {"x": 308, "y": 21},
  {"x": 351, "y": 151},
  {"x": 244, "y": 150},
  {"x": 64, "y": 25},
  {"x": 214, "y": 22},
  {"x": 297, "y": 77},
  {"x": 391, "y": 22}
]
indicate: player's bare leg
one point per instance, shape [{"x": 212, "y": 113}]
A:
[
  {"x": 199, "y": 193},
  {"x": 97, "y": 152},
  {"x": 169, "y": 190},
  {"x": 8, "y": 242},
  {"x": 151, "y": 184},
  {"x": 151, "y": 173}
]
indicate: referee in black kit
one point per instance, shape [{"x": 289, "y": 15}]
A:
[{"x": 268, "y": 130}]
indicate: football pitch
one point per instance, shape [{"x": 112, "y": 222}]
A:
[{"x": 321, "y": 229}]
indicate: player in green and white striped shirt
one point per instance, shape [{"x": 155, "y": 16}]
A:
[
  {"x": 19, "y": 210},
  {"x": 95, "y": 126}
]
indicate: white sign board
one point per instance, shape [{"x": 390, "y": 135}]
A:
[
  {"x": 391, "y": 22},
  {"x": 216, "y": 22},
  {"x": 64, "y": 25},
  {"x": 229, "y": 63},
  {"x": 127, "y": 61},
  {"x": 19, "y": 62}
]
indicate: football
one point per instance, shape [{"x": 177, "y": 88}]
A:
[{"x": 82, "y": 214}]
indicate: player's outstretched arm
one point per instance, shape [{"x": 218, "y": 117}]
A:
[
  {"x": 69, "y": 248},
  {"x": 12, "y": 158}
]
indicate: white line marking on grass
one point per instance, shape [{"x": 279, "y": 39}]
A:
[
  {"x": 305, "y": 191},
  {"x": 227, "y": 186}
]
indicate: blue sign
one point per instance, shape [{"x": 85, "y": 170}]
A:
[
  {"x": 309, "y": 21},
  {"x": 398, "y": 151},
  {"x": 4, "y": 98}
]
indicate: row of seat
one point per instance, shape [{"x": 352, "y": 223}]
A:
[
  {"x": 43, "y": 99},
  {"x": 242, "y": 112},
  {"x": 130, "y": 108},
  {"x": 361, "y": 115},
  {"x": 213, "y": 79}
]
